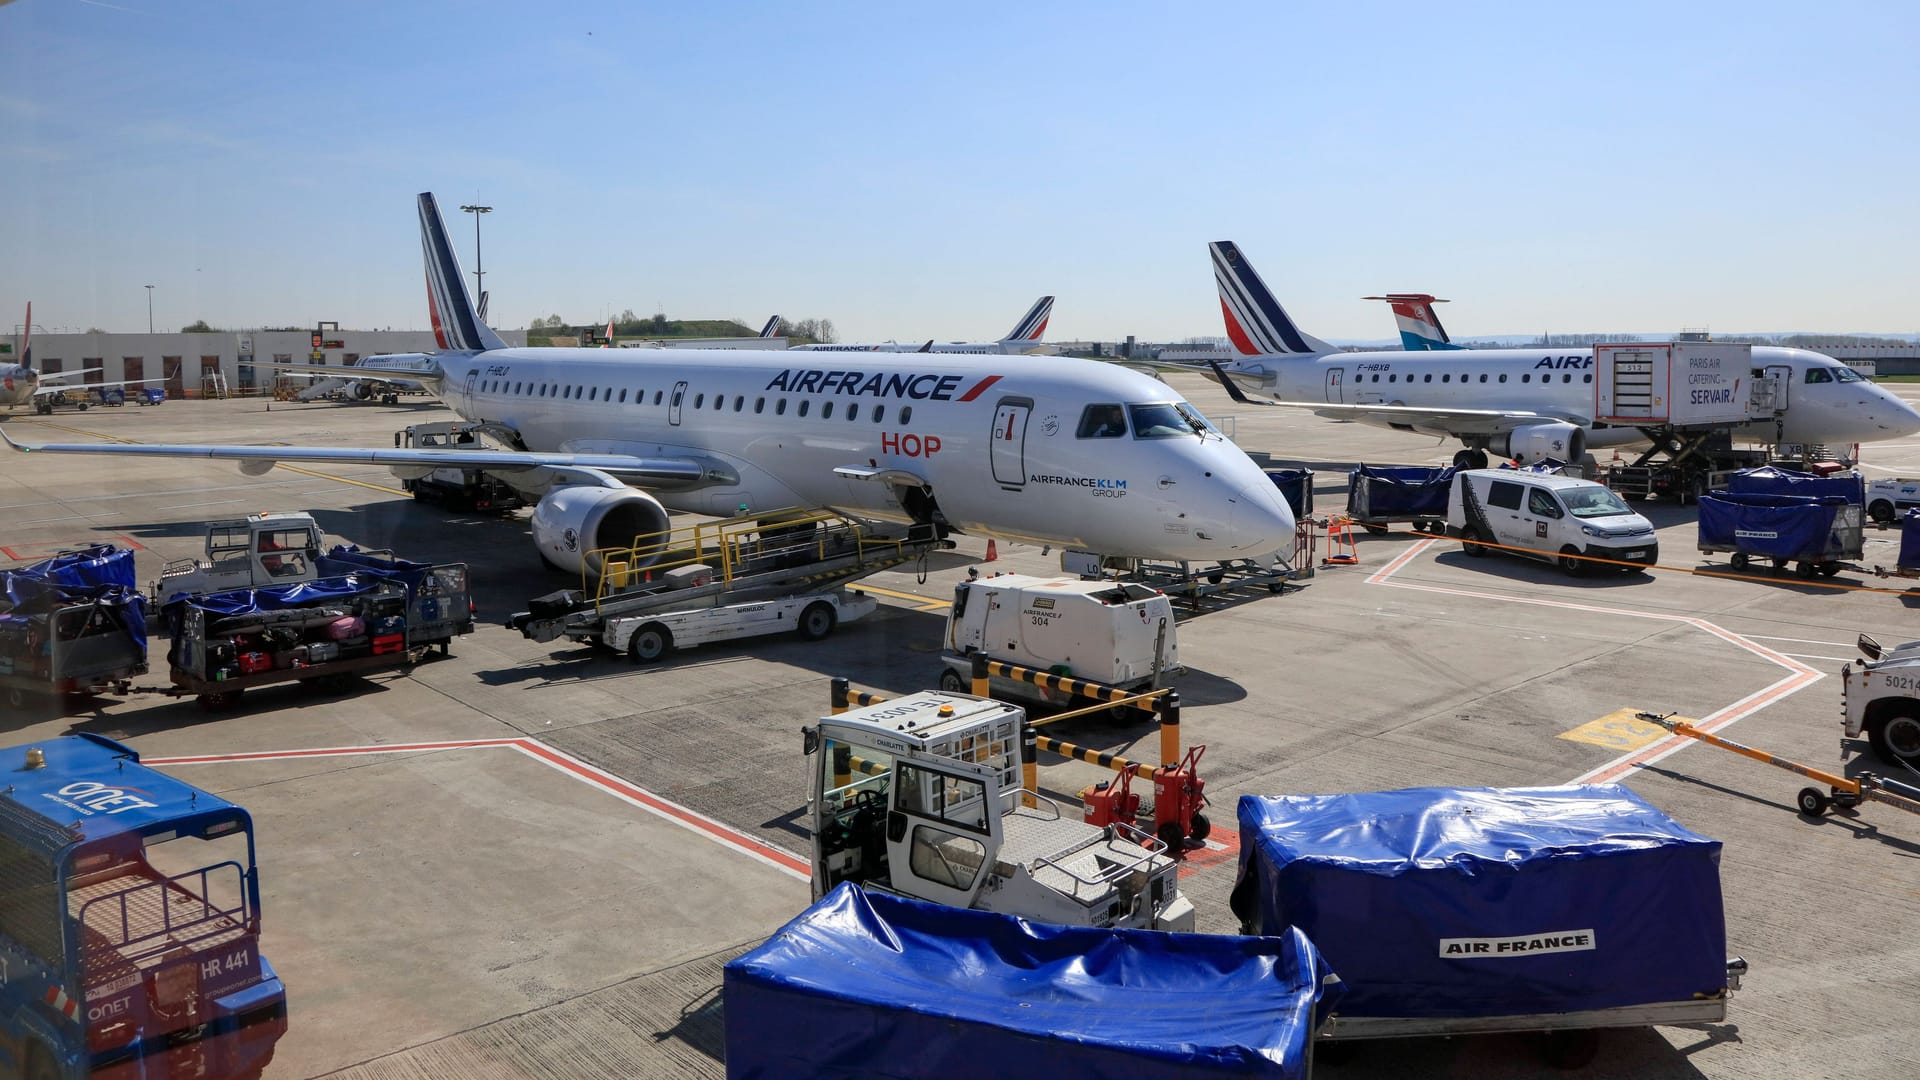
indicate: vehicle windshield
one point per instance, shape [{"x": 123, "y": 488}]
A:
[
  {"x": 1167, "y": 419},
  {"x": 1593, "y": 502}
]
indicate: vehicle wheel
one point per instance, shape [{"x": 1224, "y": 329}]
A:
[
  {"x": 1171, "y": 836},
  {"x": 1374, "y": 530},
  {"x": 1805, "y": 570},
  {"x": 1881, "y": 511},
  {"x": 1571, "y": 1049},
  {"x": 1811, "y": 801},
  {"x": 219, "y": 700},
  {"x": 1829, "y": 569},
  {"x": 1199, "y": 828},
  {"x": 16, "y": 697},
  {"x": 817, "y": 621},
  {"x": 84, "y": 406},
  {"x": 1470, "y": 540},
  {"x": 1215, "y": 577},
  {"x": 1571, "y": 563},
  {"x": 1741, "y": 560},
  {"x": 952, "y": 683},
  {"x": 649, "y": 643},
  {"x": 1896, "y": 739},
  {"x": 1779, "y": 565}
]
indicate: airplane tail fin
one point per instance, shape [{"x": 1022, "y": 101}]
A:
[
  {"x": 772, "y": 327},
  {"x": 609, "y": 341},
  {"x": 1033, "y": 325},
  {"x": 456, "y": 325},
  {"x": 1256, "y": 323},
  {"x": 1419, "y": 324},
  {"x": 26, "y": 343}
]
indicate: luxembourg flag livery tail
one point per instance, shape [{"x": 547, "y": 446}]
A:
[{"x": 1419, "y": 324}]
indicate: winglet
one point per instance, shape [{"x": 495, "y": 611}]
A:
[
  {"x": 1232, "y": 388},
  {"x": 1033, "y": 325},
  {"x": 11, "y": 445},
  {"x": 928, "y": 347},
  {"x": 456, "y": 326}
]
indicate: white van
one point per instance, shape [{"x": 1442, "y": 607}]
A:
[{"x": 1548, "y": 517}]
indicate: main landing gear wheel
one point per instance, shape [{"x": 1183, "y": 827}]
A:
[
  {"x": 649, "y": 643},
  {"x": 1812, "y": 801}
]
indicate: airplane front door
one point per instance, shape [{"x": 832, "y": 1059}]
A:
[
  {"x": 1010, "y": 443},
  {"x": 673, "y": 403},
  {"x": 471, "y": 377},
  {"x": 1335, "y": 376},
  {"x": 1782, "y": 376}
]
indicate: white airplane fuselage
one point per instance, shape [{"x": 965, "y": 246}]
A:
[
  {"x": 1837, "y": 409},
  {"x": 17, "y": 384},
  {"x": 996, "y": 447}
]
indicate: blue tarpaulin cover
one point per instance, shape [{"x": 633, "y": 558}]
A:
[
  {"x": 1776, "y": 526},
  {"x": 1768, "y": 480},
  {"x": 102, "y": 573},
  {"x": 1379, "y": 492},
  {"x": 343, "y": 560},
  {"x": 1296, "y": 486},
  {"x": 1483, "y": 902},
  {"x": 1910, "y": 541},
  {"x": 871, "y": 985}
]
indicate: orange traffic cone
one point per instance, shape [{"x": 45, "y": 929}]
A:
[{"x": 993, "y": 552}]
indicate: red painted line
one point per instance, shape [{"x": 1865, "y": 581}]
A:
[
  {"x": 11, "y": 554},
  {"x": 692, "y": 820},
  {"x": 49, "y": 553}
]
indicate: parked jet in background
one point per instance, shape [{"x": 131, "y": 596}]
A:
[
  {"x": 772, "y": 329},
  {"x": 1419, "y": 324},
  {"x": 608, "y": 444},
  {"x": 1526, "y": 404},
  {"x": 20, "y": 384},
  {"x": 1023, "y": 339}
]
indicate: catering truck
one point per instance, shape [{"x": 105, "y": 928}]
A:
[{"x": 129, "y": 922}]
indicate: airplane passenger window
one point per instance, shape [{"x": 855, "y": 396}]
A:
[
  {"x": 759, "y": 404},
  {"x": 1376, "y": 378},
  {"x": 1503, "y": 376},
  {"x": 656, "y": 396},
  {"x": 1446, "y": 378},
  {"x": 719, "y": 402},
  {"x": 1588, "y": 377},
  {"x": 906, "y": 414},
  {"x": 826, "y": 411},
  {"x": 623, "y": 395},
  {"x": 698, "y": 399},
  {"x": 802, "y": 410},
  {"x": 739, "y": 402},
  {"x": 879, "y": 413},
  {"x": 1429, "y": 377},
  {"x": 780, "y": 407},
  {"x": 1393, "y": 378},
  {"x": 1483, "y": 376},
  {"x": 1567, "y": 378},
  {"x": 1102, "y": 422},
  {"x": 853, "y": 411},
  {"x": 1818, "y": 375},
  {"x": 1526, "y": 376},
  {"x": 593, "y": 393}
]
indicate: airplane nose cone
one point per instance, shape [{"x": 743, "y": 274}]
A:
[
  {"x": 1900, "y": 418},
  {"x": 1262, "y": 521}
]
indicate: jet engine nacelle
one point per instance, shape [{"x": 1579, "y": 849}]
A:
[
  {"x": 360, "y": 391},
  {"x": 1566, "y": 443},
  {"x": 571, "y": 523}
]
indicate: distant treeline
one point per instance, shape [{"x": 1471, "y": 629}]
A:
[
  {"x": 1790, "y": 341},
  {"x": 555, "y": 330}
]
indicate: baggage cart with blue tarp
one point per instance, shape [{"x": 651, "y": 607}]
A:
[
  {"x": 1296, "y": 486},
  {"x": 72, "y": 624},
  {"x": 1907, "y": 563},
  {"x": 439, "y": 606},
  {"x": 1814, "y": 533},
  {"x": 1378, "y": 494},
  {"x": 1469, "y": 910},
  {"x": 864, "y": 982},
  {"x": 1773, "y": 480}
]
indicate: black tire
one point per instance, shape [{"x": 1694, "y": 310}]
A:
[
  {"x": 1463, "y": 459},
  {"x": 1215, "y": 577},
  {"x": 1479, "y": 459},
  {"x": 1470, "y": 541},
  {"x": 1896, "y": 739},
  {"x": 1199, "y": 828},
  {"x": 1805, "y": 570},
  {"x": 1881, "y": 511},
  {"x": 17, "y": 697},
  {"x": 1741, "y": 561},
  {"x": 1171, "y": 835},
  {"x": 1571, "y": 1049},
  {"x": 84, "y": 406},
  {"x": 1571, "y": 564},
  {"x": 1812, "y": 801},
  {"x": 1829, "y": 569},
  {"x": 220, "y": 700},
  {"x": 649, "y": 643},
  {"x": 817, "y": 622},
  {"x": 952, "y": 683}
]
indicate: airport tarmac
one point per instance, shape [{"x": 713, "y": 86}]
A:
[{"x": 532, "y": 860}]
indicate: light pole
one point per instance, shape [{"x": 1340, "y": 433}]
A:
[
  {"x": 149, "y": 309},
  {"x": 479, "y": 275}
]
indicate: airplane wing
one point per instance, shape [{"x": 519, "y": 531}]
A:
[
  {"x": 358, "y": 373},
  {"x": 671, "y": 469},
  {"x": 1454, "y": 421},
  {"x": 62, "y": 388}
]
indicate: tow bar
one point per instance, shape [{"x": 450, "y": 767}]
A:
[{"x": 1813, "y": 802}]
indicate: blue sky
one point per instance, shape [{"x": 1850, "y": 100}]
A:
[{"x": 915, "y": 170}]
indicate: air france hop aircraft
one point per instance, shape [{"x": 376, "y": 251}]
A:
[
  {"x": 20, "y": 384},
  {"x": 1525, "y": 404},
  {"x": 1023, "y": 339},
  {"x": 1053, "y": 451},
  {"x": 1419, "y": 324}
]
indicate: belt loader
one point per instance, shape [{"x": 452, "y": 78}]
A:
[{"x": 921, "y": 796}]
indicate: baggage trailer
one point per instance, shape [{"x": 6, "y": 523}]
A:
[
  {"x": 866, "y": 980},
  {"x": 439, "y": 604},
  {"x": 129, "y": 922},
  {"x": 73, "y": 624},
  {"x": 1813, "y": 533},
  {"x": 1379, "y": 494},
  {"x": 225, "y": 644},
  {"x": 1451, "y": 911}
]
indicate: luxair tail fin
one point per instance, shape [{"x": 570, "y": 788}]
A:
[
  {"x": 1419, "y": 324},
  {"x": 456, "y": 326},
  {"x": 1033, "y": 325},
  {"x": 772, "y": 327},
  {"x": 1256, "y": 323}
]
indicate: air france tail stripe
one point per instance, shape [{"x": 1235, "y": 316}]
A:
[
  {"x": 1233, "y": 303},
  {"x": 1033, "y": 323},
  {"x": 1256, "y": 306},
  {"x": 458, "y": 317},
  {"x": 982, "y": 385}
]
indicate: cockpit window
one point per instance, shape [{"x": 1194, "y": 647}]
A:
[
  {"x": 1818, "y": 375},
  {"x": 1164, "y": 420},
  {"x": 1847, "y": 374},
  {"x": 1102, "y": 422}
]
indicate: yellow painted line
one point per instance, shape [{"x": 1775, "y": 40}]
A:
[
  {"x": 924, "y": 603},
  {"x": 1618, "y": 730},
  {"x": 277, "y": 465}
]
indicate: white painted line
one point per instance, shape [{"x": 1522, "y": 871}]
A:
[
  {"x": 1816, "y": 656},
  {"x": 1800, "y": 678},
  {"x": 631, "y": 794},
  {"x": 1802, "y": 641}
]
